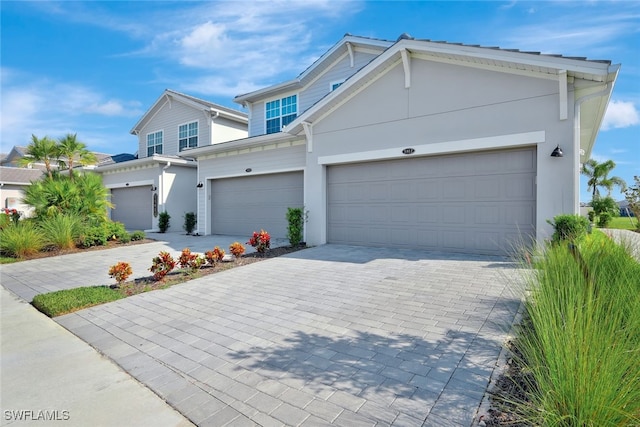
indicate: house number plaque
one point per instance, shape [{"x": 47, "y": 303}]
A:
[{"x": 408, "y": 151}]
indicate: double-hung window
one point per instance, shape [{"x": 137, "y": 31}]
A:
[
  {"x": 154, "y": 143},
  {"x": 281, "y": 112},
  {"x": 188, "y": 135}
]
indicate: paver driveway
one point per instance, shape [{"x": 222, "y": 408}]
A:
[{"x": 330, "y": 335}]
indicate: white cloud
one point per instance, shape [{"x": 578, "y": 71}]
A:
[
  {"x": 43, "y": 107},
  {"x": 620, "y": 114}
]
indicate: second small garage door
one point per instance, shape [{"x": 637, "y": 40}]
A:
[
  {"x": 133, "y": 207},
  {"x": 242, "y": 205},
  {"x": 475, "y": 202}
]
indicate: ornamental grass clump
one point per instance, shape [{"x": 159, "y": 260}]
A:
[
  {"x": 62, "y": 231},
  {"x": 22, "y": 239},
  {"x": 580, "y": 338},
  {"x": 261, "y": 241}
]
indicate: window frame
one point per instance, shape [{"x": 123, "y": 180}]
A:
[
  {"x": 155, "y": 146},
  {"x": 189, "y": 137},
  {"x": 282, "y": 108}
]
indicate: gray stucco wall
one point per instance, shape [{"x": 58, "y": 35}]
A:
[
  {"x": 446, "y": 103},
  {"x": 262, "y": 160}
]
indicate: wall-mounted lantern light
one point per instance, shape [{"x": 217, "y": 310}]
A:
[
  {"x": 557, "y": 152},
  {"x": 154, "y": 188},
  {"x": 200, "y": 185}
]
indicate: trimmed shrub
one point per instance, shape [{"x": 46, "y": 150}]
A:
[
  {"x": 116, "y": 230},
  {"x": 138, "y": 235},
  {"x": 95, "y": 235},
  {"x": 189, "y": 222},
  {"x": 163, "y": 221},
  {"x": 125, "y": 238},
  {"x": 569, "y": 227},
  {"x": 295, "y": 229}
]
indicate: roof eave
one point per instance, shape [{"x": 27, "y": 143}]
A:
[
  {"x": 237, "y": 144},
  {"x": 178, "y": 161}
]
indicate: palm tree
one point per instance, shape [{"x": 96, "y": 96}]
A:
[
  {"x": 40, "y": 150},
  {"x": 70, "y": 150},
  {"x": 598, "y": 174}
]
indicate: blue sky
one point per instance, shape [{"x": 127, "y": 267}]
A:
[{"x": 93, "y": 68}]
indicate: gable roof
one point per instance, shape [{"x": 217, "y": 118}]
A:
[
  {"x": 199, "y": 104},
  {"x": 346, "y": 44},
  {"x": 19, "y": 176},
  {"x": 594, "y": 100}
]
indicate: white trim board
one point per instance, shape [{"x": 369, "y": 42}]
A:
[{"x": 447, "y": 147}]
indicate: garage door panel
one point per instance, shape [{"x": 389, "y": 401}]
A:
[
  {"x": 246, "y": 204},
  {"x": 133, "y": 207},
  {"x": 475, "y": 203}
]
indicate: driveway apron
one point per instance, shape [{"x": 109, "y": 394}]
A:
[{"x": 334, "y": 334}]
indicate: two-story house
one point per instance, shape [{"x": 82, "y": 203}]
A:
[
  {"x": 160, "y": 180},
  {"x": 411, "y": 144}
]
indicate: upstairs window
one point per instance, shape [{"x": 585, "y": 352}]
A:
[
  {"x": 154, "y": 143},
  {"x": 281, "y": 112},
  {"x": 188, "y": 135}
]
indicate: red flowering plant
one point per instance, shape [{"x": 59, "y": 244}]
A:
[
  {"x": 120, "y": 271},
  {"x": 261, "y": 241},
  {"x": 13, "y": 214},
  {"x": 237, "y": 249},
  {"x": 214, "y": 256},
  {"x": 190, "y": 260},
  {"x": 162, "y": 265}
]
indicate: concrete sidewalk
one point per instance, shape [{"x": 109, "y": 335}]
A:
[{"x": 51, "y": 377}]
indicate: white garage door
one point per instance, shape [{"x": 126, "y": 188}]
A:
[
  {"x": 242, "y": 205},
  {"x": 474, "y": 203},
  {"x": 133, "y": 207}
]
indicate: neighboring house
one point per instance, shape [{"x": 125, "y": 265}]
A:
[
  {"x": 410, "y": 144},
  {"x": 159, "y": 180},
  {"x": 13, "y": 183},
  {"x": 14, "y": 179}
]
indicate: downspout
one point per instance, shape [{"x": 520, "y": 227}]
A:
[{"x": 576, "y": 141}]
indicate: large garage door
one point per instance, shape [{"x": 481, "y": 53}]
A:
[
  {"x": 242, "y": 205},
  {"x": 133, "y": 207},
  {"x": 475, "y": 202}
]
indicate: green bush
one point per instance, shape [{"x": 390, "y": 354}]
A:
[
  {"x": 21, "y": 239},
  {"x": 569, "y": 227},
  {"x": 116, "y": 230},
  {"x": 125, "y": 238},
  {"x": 581, "y": 335},
  {"x": 96, "y": 235},
  {"x": 163, "y": 221},
  {"x": 604, "y": 219},
  {"x": 138, "y": 235},
  {"x": 592, "y": 216},
  {"x": 295, "y": 229},
  {"x": 189, "y": 222},
  {"x": 61, "y": 231}
]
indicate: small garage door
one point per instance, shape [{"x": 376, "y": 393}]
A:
[
  {"x": 242, "y": 205},
  {"x": 480, "y": 202},
  {"x": 133, "y": 207}
]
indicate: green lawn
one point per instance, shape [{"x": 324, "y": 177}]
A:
[{"x": 623, "y": 223}]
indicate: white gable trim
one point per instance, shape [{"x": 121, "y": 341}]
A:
[{"x": 447, "y": 147}]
